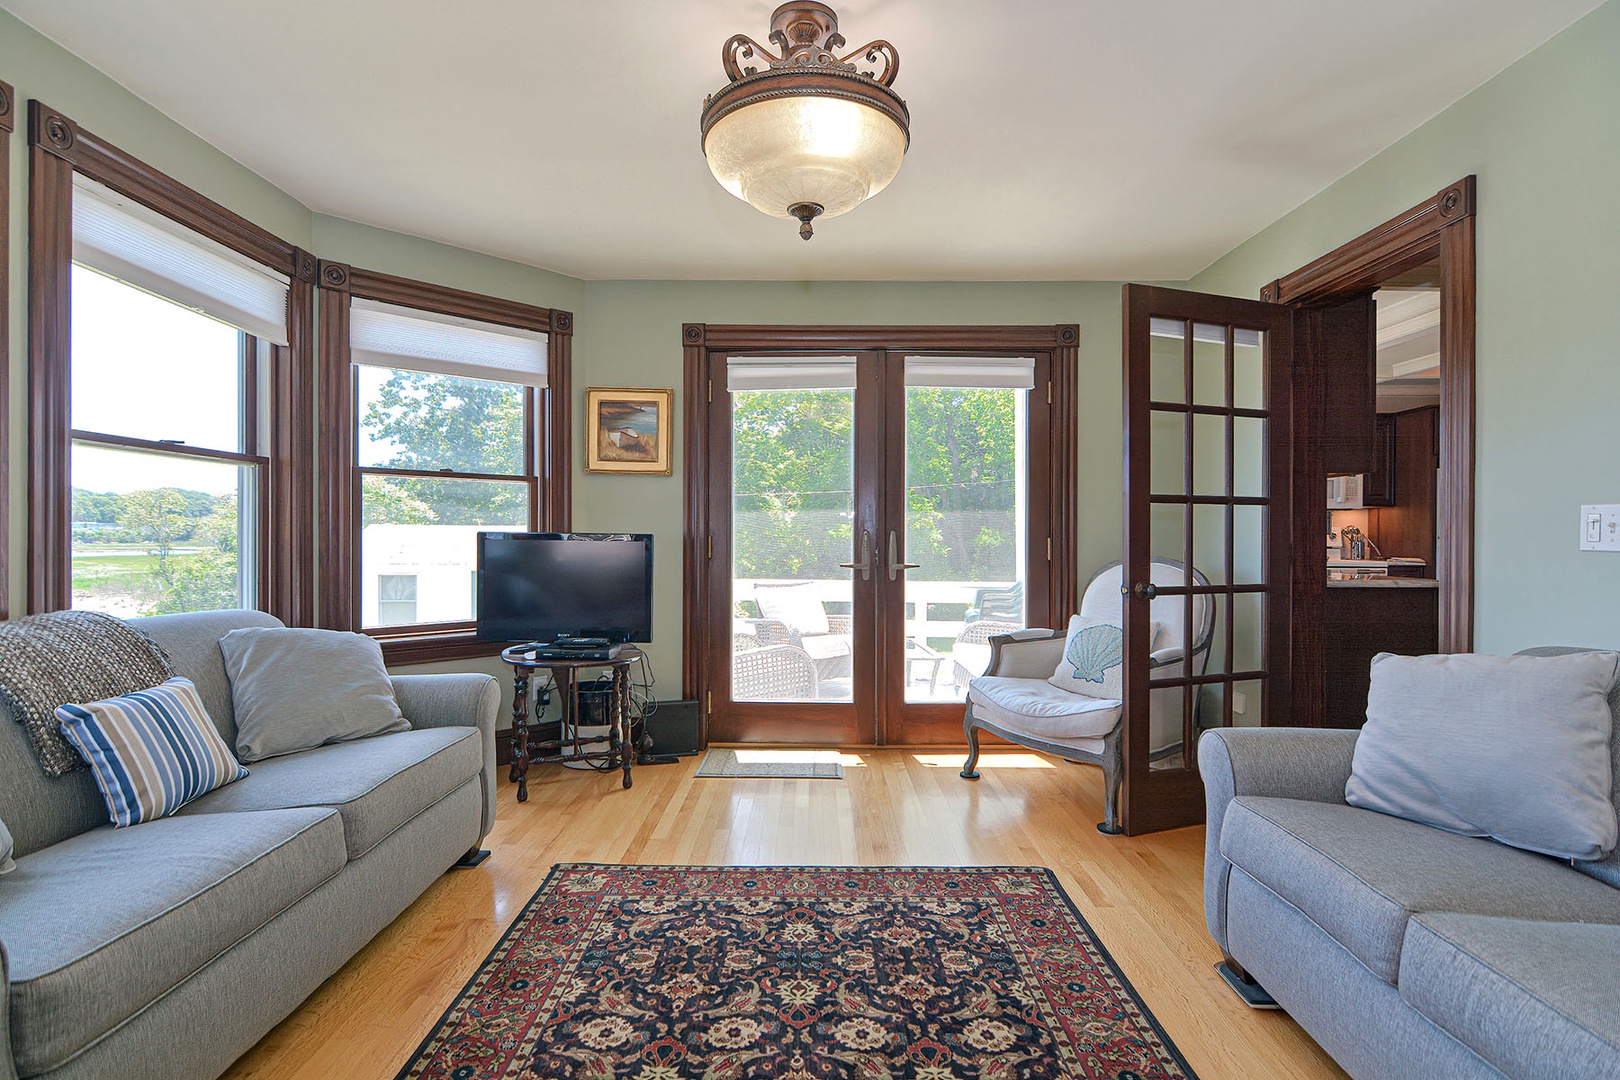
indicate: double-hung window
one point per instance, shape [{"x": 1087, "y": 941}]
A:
[
  {"x": 167, "y": 478},
  {"x": 450, "y": 432},
  {"x": 170, "y": 392}
]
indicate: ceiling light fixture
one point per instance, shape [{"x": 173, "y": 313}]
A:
[{"x": 809, "y": 136}]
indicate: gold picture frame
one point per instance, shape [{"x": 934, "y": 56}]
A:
[{"x": 627, "y": 430}]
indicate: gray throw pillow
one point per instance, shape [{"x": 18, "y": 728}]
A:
[
  {"x": 294, "y": 689},
  {"x": 1511, "y": 747},
  {"x": 6, "y": 864}
]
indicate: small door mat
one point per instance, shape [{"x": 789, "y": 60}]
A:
[{"x": 773, "y": 764}]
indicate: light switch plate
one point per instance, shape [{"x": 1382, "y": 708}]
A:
[{"x": 1600, "y": 527}]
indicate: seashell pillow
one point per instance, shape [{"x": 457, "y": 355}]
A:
[{"x": 1093, "y": 662}]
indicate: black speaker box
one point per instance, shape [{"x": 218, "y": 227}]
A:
[{"x": 675, "y": 728}]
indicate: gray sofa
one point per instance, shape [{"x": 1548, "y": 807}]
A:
[
  {"x": 168, "y": 949},
  {"x": 1404, "y": 950}
]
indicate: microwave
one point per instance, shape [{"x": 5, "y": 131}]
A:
[{"x": 1345, "y": 492}]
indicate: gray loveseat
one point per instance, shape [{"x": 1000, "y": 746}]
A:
[
  {"x": 1404, "y": 950},
  {"x": 168, "y": 949}
]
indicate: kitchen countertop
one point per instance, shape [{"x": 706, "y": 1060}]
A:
[{"x": 1386, "y": 583}]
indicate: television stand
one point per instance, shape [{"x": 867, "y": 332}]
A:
[{"x": 565, "y": 667}]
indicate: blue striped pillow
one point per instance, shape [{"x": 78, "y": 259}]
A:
[{"x": 152, "y": 751}]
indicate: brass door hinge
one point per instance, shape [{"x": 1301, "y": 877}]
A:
[
  {"x": 711, "y": 391},
  {"x": 1049, "y": 391},
  {"x": 1048, "y": 549},
  {"x": 708, "y": 701},
  {"x": 710, "y": 555}
]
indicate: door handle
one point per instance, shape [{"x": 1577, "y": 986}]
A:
[
  {"x": 895, "y": 565},
  {"x": 1145, "y": 590},
  {"x": 865, "y": 565}
]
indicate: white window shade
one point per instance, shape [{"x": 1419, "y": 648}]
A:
[
  {"x": 140, "y": 247},
  {"x": 387, "y": 335},
  {"x": 790, "y": 373},
  {"x": 986, "y": 372}
]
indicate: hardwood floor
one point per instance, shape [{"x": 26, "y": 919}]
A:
[{"x": 1143, "y": 896}]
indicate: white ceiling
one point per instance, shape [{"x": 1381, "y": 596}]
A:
[{"x": 1051, "y": 139}]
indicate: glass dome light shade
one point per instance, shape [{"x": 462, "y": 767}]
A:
[{"x": 783, "y": 151}]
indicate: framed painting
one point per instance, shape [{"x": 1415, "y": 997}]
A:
[{"x": 628, "y": 430}]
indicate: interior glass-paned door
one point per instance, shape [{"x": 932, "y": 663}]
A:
[{"x": 1207, "y": 517}]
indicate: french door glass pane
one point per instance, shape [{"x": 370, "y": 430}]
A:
[
  {"x": 154, "y": 534},
  {"x": 419, "y": 544},
  {"x": 792, "y": 524},
  {"x": 966, "y": 508},
  {"x": 147, "y": 368}
]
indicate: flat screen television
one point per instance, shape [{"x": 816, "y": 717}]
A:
[{"x": 547, "y": 586}]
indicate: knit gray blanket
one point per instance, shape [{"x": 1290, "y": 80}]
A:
[{"x": 70, "y": 657}]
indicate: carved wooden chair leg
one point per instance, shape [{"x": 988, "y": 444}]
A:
[
  {"x": 1113, "y": 763},
  {"x": 972, "y": 732}
]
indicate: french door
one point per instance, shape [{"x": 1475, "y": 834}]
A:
[
  {"x": 1210, "y": 400},
  {"x": 868, "y": 517}
]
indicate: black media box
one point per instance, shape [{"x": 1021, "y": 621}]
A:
[{"x": 675, "y": 728}]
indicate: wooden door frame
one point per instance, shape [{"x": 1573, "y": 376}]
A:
[
  {"x": 700, "y": 340},
  {"x": 1439, "y": 229}
]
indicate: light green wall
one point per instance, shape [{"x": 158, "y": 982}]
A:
[
  {"x": 408, "y": 256},
  {"x": 631, "y": 336},
  {"x": 40, "y": 69},
  {"x": 1544, "y": 139}
]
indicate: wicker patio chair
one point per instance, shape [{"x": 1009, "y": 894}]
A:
[{"x": 773, "y": 673}]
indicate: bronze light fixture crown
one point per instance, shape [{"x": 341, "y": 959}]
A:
[{"x": 809, "y": 135}]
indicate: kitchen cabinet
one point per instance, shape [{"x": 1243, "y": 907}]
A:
[
  {"x": 1378, "y": 484},
  {"x": 1341, "y": 341},
  {"x": 1363, "y": 619},
  {"x": 1405, "y": 526}
]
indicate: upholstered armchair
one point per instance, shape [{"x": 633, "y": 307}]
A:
[{"x": 1015, "y": 700}]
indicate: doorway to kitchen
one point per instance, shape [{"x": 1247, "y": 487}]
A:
[
  {"x": 1407, "y": 284},
  {"x": 867, "y": 507}
]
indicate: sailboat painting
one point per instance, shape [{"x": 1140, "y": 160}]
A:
[{"x": 628, "y": 430}]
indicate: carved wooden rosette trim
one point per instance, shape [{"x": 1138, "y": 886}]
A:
[
  {"x": 692, "y": 333},
  {"x": 50, "y": 130},
  {"x": 334, "y": 275},
  {"x": 306, "y": 267},
  {"x": 8, "y": 107},
  {"x": 562, "y": 322}
]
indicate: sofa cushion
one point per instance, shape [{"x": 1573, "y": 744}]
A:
[
  {"x": 6, "y": 863},
  {"x": 376, "y": 785},
  {"x": 1361, "y": 875},
  {"x": 1513, "y": 747},
  {"x": 1532, "y": 998},
  {"x": 295, "y": 688},
  {"x": 1036, "y": 708},
  {"x": 102, "y": 924},
  {"x": 152, "y": 751}
]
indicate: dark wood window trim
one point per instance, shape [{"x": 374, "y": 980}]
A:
[
  {"x": 546, "y": 446},
  {"x": 1439, "y": 229},
  {"x": 698, "y": 340},
  {"x": 8, "y": 115},
  {"x": 59, "y": 147}
]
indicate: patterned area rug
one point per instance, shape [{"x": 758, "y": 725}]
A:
[
  {"x": 778, "y": 764},
  {"x": 782, "y": 973}
]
